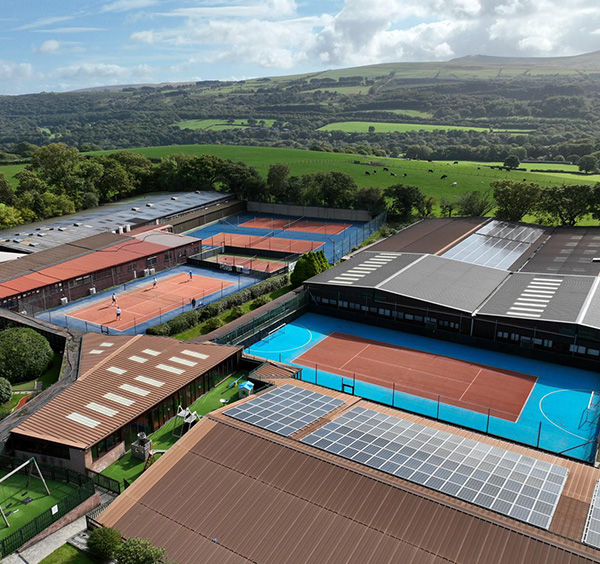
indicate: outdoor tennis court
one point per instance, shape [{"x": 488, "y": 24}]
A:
[
  {"x": 253, "y": 263},
  {"x": 455, "y": 382},
  {"x": 146, "y": 302},
  {"x": 262, "y": 242},
  {"x": 544, "y": 405},
  {"x": 303, "y": 225}
]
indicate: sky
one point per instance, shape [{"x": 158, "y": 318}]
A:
[{"x": 61, "y": 45}]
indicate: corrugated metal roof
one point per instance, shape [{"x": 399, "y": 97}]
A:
[
  {"x": 124, "y": 252},
  {"x": 166, "y": 239},
  {"x": 233, "y": 493},
  {"x": 430, "y": 235},
  {"x": 540, "y": 296},
  {"x": 446, "y": 282},
  {"x": 112, "y": 376}
]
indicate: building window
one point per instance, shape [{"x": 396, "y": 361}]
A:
[{"x": 150, "y": 262}]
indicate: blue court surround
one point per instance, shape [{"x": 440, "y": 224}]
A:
[{"x": 555, "y": 417}]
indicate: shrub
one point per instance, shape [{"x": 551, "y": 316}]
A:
[
  {"x": 5, "y": 390},
  {"x": 139, "y": 551},
  {"x": 104, "y": 543},
  {"x": 236, "y": 312},
  {"x": 213, "y": 324},
  {"x": 261, "y": 301},
  {"x": 24, "y": 354}
]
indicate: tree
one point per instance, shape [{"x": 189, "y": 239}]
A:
[
  {"x": 371, "y": 129},
  {"x": 24, "y": 354},
  {"x": 447, "y": 207},
  {"x": 140, "y": 551},
  {"x": 29, "y": 181},
  {"x": 243, "y": 181},
  {"x": 89, "y": 200},
  {"x": 9, "y": 217},
  {"x": 512, "y": 161},
  {"x": 7, "y": 192},
  {"x": 57, "y": 205},
  {"x": 565, "y": 205},
  {"x": 424, "y": 206},
  {"x": 515, "y": 199},
  {"x": 370, "y": 199},
  {"x": 104, "y": 543},
  {"x": 114, "y": 181},
  {"x": 404, "y": 198},
  {"x": 474, "y": 203},
  {"x": 308, "y": 265},
  {"x": 588, "y": 164},
  {"x": 5, "y": 391},
  {"x": 277, "y": 182},
  {"x": 54, "y": 163}
]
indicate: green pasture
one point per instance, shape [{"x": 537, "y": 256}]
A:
[
  {"x": 409, "y": 113},
  {"x": 10, "y": 170},
  {"x": 14, "y": 491},
  {"x": 468, "y": 175},
  {"x": 217, "y": 124},
  {"x": 383, "y": 127}
]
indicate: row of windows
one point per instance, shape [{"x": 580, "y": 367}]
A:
[{"x": 584, "y": 350}]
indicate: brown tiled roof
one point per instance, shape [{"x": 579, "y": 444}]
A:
[
  {"x": 229, "y": 492},
  {"x": 120, "y": 378},
  {"x": 271, "y": 369}
]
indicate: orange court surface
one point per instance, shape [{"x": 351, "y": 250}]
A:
[
  {"x": 456, "y": 382},
  {"x": 262, "y": 242},
  {"x": 304, "y": 225},
  {"x": 145, "y": 302}
]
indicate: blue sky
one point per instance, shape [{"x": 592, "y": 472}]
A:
[{"x": 63, "y": 45}]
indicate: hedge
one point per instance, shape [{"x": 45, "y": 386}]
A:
[{"x": 190, "y": 319}]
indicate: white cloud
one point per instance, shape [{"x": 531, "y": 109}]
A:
[
  {"x": 9, "y": 70},
  {"x": 53, "y": 46},
  {"x": 41, "y": 22},
  {"x": 70, "y": 30},
  {"x": 269, "y": 9},
  {"x": 103, "y": 72},
  {"x": 126, "y": 5},
  {"x": 50, "y": 46}
]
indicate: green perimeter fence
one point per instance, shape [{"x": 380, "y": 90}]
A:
[
  {"x": 258, "y": 327},
  {"x": 85, "y": 489}
]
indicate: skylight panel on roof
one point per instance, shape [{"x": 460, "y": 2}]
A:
[
  {"x": 183, "y": 361},
  {"x": 151, "y": 352},
  {"x": 195, "y": 354},
  {"x": 106, "y": 344},
  {"x": 171, "y": 369},
  {"x": 96, "y": 351},
  {"x": 118, "y": 399},
  {"x": 83, "y": 420},
  {"x": 102, "y": 409},
  {"x": 134, "y": 390},
  {"x": 139, "y": 359},
  {"x": 116, "y": 370},
  {"x": 149, "y": 381}
]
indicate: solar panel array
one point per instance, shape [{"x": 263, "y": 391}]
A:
[
  {"x": 497, "y": 244},
  {"x": 285, "y": 410},
  {"x": 506, "y": 482},
  {"x": 591, "y": 533}
]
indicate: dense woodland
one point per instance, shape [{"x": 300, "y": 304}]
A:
[
  {"x": 560, "y": 111},
  {"x": 60, "y": 180}
]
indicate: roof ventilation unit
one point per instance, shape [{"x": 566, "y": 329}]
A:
[
  {"x": 120, "y": 230},
  {"x": 64, "y": 300},
  {"x": 78, "y": 224},
  {"x": 135, "y": 209},
  {"x": 174, "y": 198},
  {"x": 92, "y": 291},
  {"x": 150, "y": 205},
  {"x": 127, "y": 228}
]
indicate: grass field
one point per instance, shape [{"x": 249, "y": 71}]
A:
[
  {"x": 410, "y": 113},
  {"x": 217, "y": 124},
  {"x": 128, "y": 468},
  {"x": 10, "y": 170},
  {"x": 14, "y": 490},
  {"x": 381, "y": 127},
  {"x": 468, "y": 175},
  {"x": 68, "y": 554}
]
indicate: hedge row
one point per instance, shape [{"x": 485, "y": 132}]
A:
[{"x": 192, "y": 318}]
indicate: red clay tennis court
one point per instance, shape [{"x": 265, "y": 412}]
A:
[
  {"x": 303, "y": 225},
  {"x": 456, "y": 382},
  {"x": 253, "y": 263},
  {"x": 264, "y": 243},
  {"x": 146, "y": 302}
]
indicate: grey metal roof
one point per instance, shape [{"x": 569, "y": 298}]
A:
[
  {"x": 446, "y": 282},
  {"x": 48, "y": 234},
  {"x": 590, "y": 313},
  {"x": 366, "y": 269},
  {"x": 540, "y": 296}
]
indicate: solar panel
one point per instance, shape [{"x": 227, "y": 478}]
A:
[
  {"x": 519, "y": 486},
  {"x": 591, "y": 533},
  {"x": 284, "y": 410}
]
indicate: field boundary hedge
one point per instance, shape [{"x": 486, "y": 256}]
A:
[{"x": 195, "y": 317}]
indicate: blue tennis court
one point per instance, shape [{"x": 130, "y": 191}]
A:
[{"x": 561, "y": 413}]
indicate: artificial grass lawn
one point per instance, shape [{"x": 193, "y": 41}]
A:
[
  {"x": 128, "y": 468},
  {"x": 11, "y": 497},
  {"x": 226, "y": 316},
  {"x": 68, "y": 554}
]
